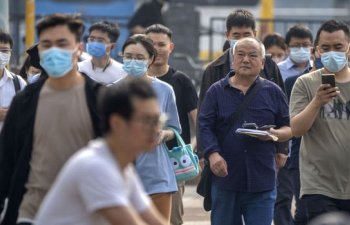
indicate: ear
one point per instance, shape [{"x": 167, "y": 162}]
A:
[
  {"x": 263, "y": 63},
  {"x": 172, "y": 46},
  {"x": 80, "y": 49},
  {"x": 115, "y": 122},
  {"x": 254, "y": 32},
  {"x": 227, "y": 35}
]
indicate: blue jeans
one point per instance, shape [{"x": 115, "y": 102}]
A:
[{"x": 228, "y": 207}]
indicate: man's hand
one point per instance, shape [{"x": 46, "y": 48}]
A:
[
  {"x": 218, "y": 165},
  {"x": 281, "y": 160},
  {"x": 3, "y": 112},
  {"x": 324, "y": 94}
]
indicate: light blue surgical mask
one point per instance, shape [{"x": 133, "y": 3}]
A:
[
  {"x": 232, "y": 43},
  {"x": 57, "y": 62},
  {"x": 135, "y": 68},
  {"x": 96, "y": 49},
  {"x": 300, "y": 55},
  {"x": 334, "y": 61},
  {"x": 31, "y": 78}
]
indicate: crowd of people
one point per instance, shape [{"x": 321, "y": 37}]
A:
[{"x": 84, "y": 137}]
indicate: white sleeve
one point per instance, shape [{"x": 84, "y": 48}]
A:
[
  {"x": 139, "y": 198},
  {"x": 101, "y": 186}
]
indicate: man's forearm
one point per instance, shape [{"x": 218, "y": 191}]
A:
[{"x": 303, "y": 121}]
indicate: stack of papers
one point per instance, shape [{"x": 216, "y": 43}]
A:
[{"x": 256, "y": 133}]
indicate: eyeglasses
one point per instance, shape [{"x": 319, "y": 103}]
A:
[
  {"x": 303, "y": 45},
  {"x": 95, "y": 39},
  {"x": 5, "y": 50},
  {"x": 150, "y": 123},
  {"x": 133, "y": 57}
]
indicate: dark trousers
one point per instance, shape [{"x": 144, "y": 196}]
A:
[
  {"x": 24, "y": 224},
  {"x": 318, "y": 204},
  {"x": 288, "y": 185}
]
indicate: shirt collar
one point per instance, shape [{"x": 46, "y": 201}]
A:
[
  {"x": 226, "y": 82},
  {"x": 290, "y": 64},
  {"x": 5, "y": 77}
]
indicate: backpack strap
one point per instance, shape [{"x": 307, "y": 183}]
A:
[{"x": 16, "y": 83}]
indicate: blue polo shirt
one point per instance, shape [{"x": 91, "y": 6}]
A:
[{"x": 251, "y": 162}]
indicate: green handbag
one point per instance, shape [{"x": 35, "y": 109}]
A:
[{"x": 184, "y": 161}]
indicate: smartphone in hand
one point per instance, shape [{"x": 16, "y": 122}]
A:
[{"x": 328, "y": 79}]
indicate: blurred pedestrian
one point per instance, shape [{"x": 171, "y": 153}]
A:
[
  {"x": 147, "y": 14},
  {"x": 276, "y": 47},
  {"x": 47, "y": 122},
  {"x": 99, "y": 183},
  {"x": 10, "y": 83}
]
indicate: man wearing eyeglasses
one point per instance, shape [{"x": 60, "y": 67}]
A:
[
  {"x": 9, "y": 82},
  {"x": 101, "y": 67}
]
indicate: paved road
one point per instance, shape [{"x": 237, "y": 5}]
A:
[{"x": 194, "y": 212}]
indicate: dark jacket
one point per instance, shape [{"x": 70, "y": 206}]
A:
[
  {"x": 220, "y": 67},
  {"x": 16, "y": 141}
]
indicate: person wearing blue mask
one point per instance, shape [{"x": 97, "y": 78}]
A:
[
  {"x": 320, "y": 114},
  {"x": 101, "y": 67},
  {"x": 299, "y": 41},
  {"x": 154, "y": 168},
  {"x": 47, "y": 122}
]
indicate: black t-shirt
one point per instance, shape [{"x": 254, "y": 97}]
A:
[{"x": 186, "y": 101}]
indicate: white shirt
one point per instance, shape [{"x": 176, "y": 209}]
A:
[
  {"x": 7, "y": 90},
  {"x": 112, "y": 73},
  {"x": 91, "y": 180}
]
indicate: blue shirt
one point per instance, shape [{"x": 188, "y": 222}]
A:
[
  {"x": 251, "y": 165},
  {"x": 154, "y": 167},
  {"x": 288, "y": 69}
]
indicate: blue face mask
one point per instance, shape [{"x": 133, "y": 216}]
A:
[
  {"x": 96, "y": 49},
  {"x": 318, "y": 63},
  {"x": 232, "y": 43},
  {"x": 57, "y": 62},
  {"x": 300, "y": 55},
  {"x": 135, "y": 68},
  {"x": 334, "y": 61}
]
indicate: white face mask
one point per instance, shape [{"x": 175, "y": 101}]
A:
[{"x": 4, "y": 59}]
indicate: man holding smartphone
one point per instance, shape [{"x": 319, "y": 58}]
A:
[{"x": 320, "y": 113}]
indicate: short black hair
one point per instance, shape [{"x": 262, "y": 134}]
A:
[
  {"x": 118, "y": 99},
  {"x": 6, "y": 38},
  {"x": 146, "y": 42},
  {"x": 331, "y": 26},
  {"x": 240, "y": 18},
  {"x": 112, "y": 29},
  {"x": 73, "y": 22},
  {"x": 298, "y": 31},
  {"x": 159, "y": 29},
  {"x": 274, "y": 40}
]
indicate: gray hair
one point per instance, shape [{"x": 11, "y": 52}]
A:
[{"x": 262, "y": 47}]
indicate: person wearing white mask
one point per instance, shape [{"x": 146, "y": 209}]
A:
[
  {"x": 47, "y": 122},
  {"x": 320, "y": 114},
  {"x": 9, "y": 82},
  {"x": 299, "y": 41}
]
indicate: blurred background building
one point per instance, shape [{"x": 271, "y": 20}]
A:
[{"x": 198, "y": 25}]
